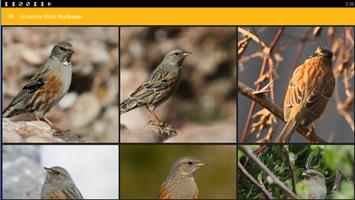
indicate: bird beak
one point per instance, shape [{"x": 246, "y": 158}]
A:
[
  {"x": 186, "y": 53},
  {"x": 201, "y": 164},
  {"x": 49, "y": 170}
]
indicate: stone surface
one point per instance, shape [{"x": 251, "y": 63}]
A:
[
  {"x": 28, "y": 131},
  {"x": 22, "y": 174}
]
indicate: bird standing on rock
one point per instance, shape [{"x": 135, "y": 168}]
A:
[
  {"x": 46, "y": 88},
  {"x": 158, "y": 86}
]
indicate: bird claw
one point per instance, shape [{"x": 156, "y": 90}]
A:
[
  {"x": 154, "y": 123},
  {"x": 165, "y": 130},
  {"x": 60, "y": 133}
]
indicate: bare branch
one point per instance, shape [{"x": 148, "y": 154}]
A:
[
  {"x": 337, "y": 180},
  {"x": 262, "y": 188},
  {"x": 252, "y": 36},
  {"x": 242, "y": 45},
  {"x": 274, "y": 109},
  {"x": 290, "y": 167},
  {"x": 267, "y": 54}
]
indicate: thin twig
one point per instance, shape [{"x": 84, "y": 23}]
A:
[
  {"x": 252, "y": 36},
  {"x": 242, "y": 45},
  {"x": 301, "y": 47},
  {"x": 290, "y": 167},
  {"x": 268, "y": 52},
  {"x": 262, "y": 188},
  {"x": 265, "y": 169},
  {"x": 252, "y": 106},
  {"x": 337, "y": 180}
]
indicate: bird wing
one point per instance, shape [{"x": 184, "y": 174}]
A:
[
  {"x": 72, "y": 193},
  {"x": 159, "y": 85},
  {"x": 294, "y": 93},
  {"x": 301, "y": 91},
  {"x": 196, "y": 196},
  {"x": 149, "y": 88},
  {"x": 163, "y": 193},
  {"x": 316, "y": 104},
  {"x": 35, "y": 83}
]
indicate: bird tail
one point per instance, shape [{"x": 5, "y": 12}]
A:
[
  {"x": 287, "y": 131},
  {"x": 127, "y": 105},
  {"x": 12, "y": 110}
]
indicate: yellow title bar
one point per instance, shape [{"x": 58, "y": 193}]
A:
[{"x": 178, "y": 16}]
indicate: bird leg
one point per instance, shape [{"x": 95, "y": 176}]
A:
[
  {"x": 165, "y": 130},
  {"x": 157, "y": 120},
  {"x": 52, "y": 125}
]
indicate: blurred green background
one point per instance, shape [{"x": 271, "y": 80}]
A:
[
  {"x": 326, "y": 159},
  {"x": 144, "y": 168}
]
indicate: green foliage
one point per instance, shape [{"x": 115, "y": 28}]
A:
[
  {"x": 323, "y": 158},
  {"x": 346, "y": 191},
  {"x": 302, "y": 190}
]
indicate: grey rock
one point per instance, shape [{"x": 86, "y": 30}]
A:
[{"x": 23, "y": 175}]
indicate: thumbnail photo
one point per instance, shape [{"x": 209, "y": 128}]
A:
[
  {"x": 295, "y": 172},
  {"x": 60, "y": 84},
  {"x": 296, "y": 84},
  {"x": 177, "y": 171},
  {"x": 177, "y": 84},
  {"x": 60, "y": 172}
]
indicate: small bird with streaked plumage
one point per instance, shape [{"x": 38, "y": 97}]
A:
[{"x": 158, "y": 86}]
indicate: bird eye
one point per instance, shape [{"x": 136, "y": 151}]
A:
[
  {"x": 56, "y": 172},
  {"x": 61, "y": 48},
  {"x": 189, "y": 162},
  {"x": 176, "y": 53}
]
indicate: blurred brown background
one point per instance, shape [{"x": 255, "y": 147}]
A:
[
  {"x": 90, "y": 109},
  {"x": 204, "y": 107},
  {"x": 144, "y": 168}
]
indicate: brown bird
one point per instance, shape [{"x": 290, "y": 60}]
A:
[
  {"x": 159, "y": 85},
  {"x": 313, "y": 186},
  {"x": 46, "y": 88},
  {"x": 308, "y": 92},
  {"x": 59, "y": 185},
  {"x": 180, "y": 183}
]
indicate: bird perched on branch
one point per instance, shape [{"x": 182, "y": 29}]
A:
[
  {"x": 312, "y": 186},
  {"x": 180, "y": 183},
  {"x": 158, "y": 86},
  {"x": 46, "y": 88},
  {"x": 308, "y": 92}
]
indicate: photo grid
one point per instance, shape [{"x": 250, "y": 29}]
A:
[{"x": 177, "y": 112}]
